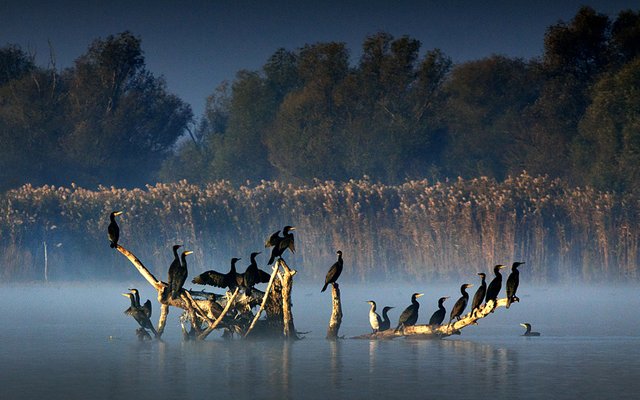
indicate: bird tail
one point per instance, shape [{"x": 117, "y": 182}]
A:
[
  {"x": 509, "y": 299},
  {"x": 155, "y": 333},
  {"x": 271, "y": 259},
  {"x": 324, "y": 287},
  {"x": 112, "y": 245}
]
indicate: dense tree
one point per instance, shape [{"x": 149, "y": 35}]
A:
[
  {"x": 123, "y": 122},
  {"x": 607, "y": 151},
  {"x": 485, "y": 103}
]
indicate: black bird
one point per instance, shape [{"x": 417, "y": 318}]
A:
[
  {"x": 410, "y": 314},
  {"x": 438, "y": 316},
  {"x": 374, "y": 319},
  {"x": 147, "y": 305},
  {"x": 174, "y": 273},
  {"x": 461, "y": 304},
  {"x": 478, "y": 298},
  {"x": 178, "y": 276},
  {"x": 280, "y": 244},
  {"x": 334, "y": 272},
  {"x": 231, "y": 279},
  {"x": 512, "y": 283},
  {"x": 114, "y": 230},
  {"x": 386, "y": 322},
  {"x": 254, "y": 275},
  {"x": 496, "y": 284},
  {"x": 139, "y": 314},
  {"x": 528, "y": 331}
]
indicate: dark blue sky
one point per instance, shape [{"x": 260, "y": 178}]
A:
[{"x": 198, "y": 44}]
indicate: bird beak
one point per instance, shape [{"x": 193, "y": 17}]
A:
[
  {"x": 523, "y": 325},
  {"x": 469, "y": 284},
  {"x": 125, "y": 294},
  {"x": 118, "y": 212},
  {"x": 293, "y": 228},
  {"x": 502, "y": 266},
  {"x": 420, "y": 295},
  {"x": 186, "y": 253}
]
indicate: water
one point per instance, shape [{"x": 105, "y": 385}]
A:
[{"x": 73, "y": 342}]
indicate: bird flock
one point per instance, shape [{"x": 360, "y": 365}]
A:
[
  {"x": 484, "y": 294},
  {"x": 177, "y": 275}
]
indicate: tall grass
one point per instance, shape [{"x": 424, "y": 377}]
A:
[{"x": 416, "y": 230}]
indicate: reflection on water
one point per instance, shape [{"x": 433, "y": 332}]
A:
[{"x": 52, "y": 348}]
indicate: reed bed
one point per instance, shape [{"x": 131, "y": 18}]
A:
[{"x": 415, "y": 230}]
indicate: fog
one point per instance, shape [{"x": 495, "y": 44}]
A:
[{"x": 73, "y": 341}]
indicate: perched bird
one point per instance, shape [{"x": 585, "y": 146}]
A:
[
  {"x": 229, "y": 280},
  {"x": 139, "y": 314},
  {"x": 386, "y": 322},
  {"x": 174, "y": 273},
  {"x": 280, "y": 244},
  {"x": 496, "y": 284},
  {"x": 512, "y": 283},
  {"x": 528, "y": 331},
  {"x": 178, "y": 276},
  {"x": 410, "y": 314},
  {"x": 374, "y": 319},
  {"x": 438, "y": 316},
  {"x": 478, "y": 298},
  {"x": 461, "y": 304},
  {"x": 254, "y": 275},
  {"x": 113, "y": 232},
  {"x": 147, "y": 305},
  {"x": 334, "y": 272}
]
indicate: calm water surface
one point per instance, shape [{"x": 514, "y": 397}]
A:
[{"x": 72, "y": 341}]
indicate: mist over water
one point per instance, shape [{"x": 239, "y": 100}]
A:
[{"x": 73, "y": 341}]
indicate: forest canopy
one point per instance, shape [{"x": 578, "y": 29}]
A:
[{"x": 399, "y": 112}]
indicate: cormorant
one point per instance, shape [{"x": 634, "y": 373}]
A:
[
  {"x": 528, "y": 331},
  {"x": 410, "y": 314},
  {"x": 496, "y": 284},
  {"x": 438, "y": 316},
  {"x": 139, "y": 314},
  {"x": 386, "y": 322},
  {"x": 175, "y": 273},
  {"x": 178, "y": 277},
  {"x": 512, "y": 283},
  {"x": 254, "y": 275},
  {"x": 114, "y": 230},
  {"x": 229, "y": 280},
  {"x": 478, "y": 298},
  {"x": 280, "y": 244},
  {"x": 147, "y": 304},
  {"x": 461, "y": 304},
  {"x": 334, "y": 272},
  {"x": 374, "y": 319}
]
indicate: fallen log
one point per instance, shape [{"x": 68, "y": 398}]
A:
[{"x": 438, "y": 331}]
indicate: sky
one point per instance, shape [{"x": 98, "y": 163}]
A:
[{"x": 196, "y": 45}]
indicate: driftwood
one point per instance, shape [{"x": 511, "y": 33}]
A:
[
  {"x": 336, "y": 313},
  {"x": 286, "y": 277},
  {"x": 438, "y": 331},
  {"x": 215, "y": 311}
]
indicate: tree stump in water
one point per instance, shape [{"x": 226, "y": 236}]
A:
[
  {"x": 438, "y": 331},
  {"x": 336, "y": 313},
  {"x": 210, "y": 309}
]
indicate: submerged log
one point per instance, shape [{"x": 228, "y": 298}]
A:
[
  {"x": 438, "y": 331},
  {"x": 336, "y": 313}
]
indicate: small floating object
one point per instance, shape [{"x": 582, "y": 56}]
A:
[{"x": 528, "y": 331}]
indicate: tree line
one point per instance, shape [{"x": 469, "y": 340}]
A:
[{"x": 313, "y": 113}]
